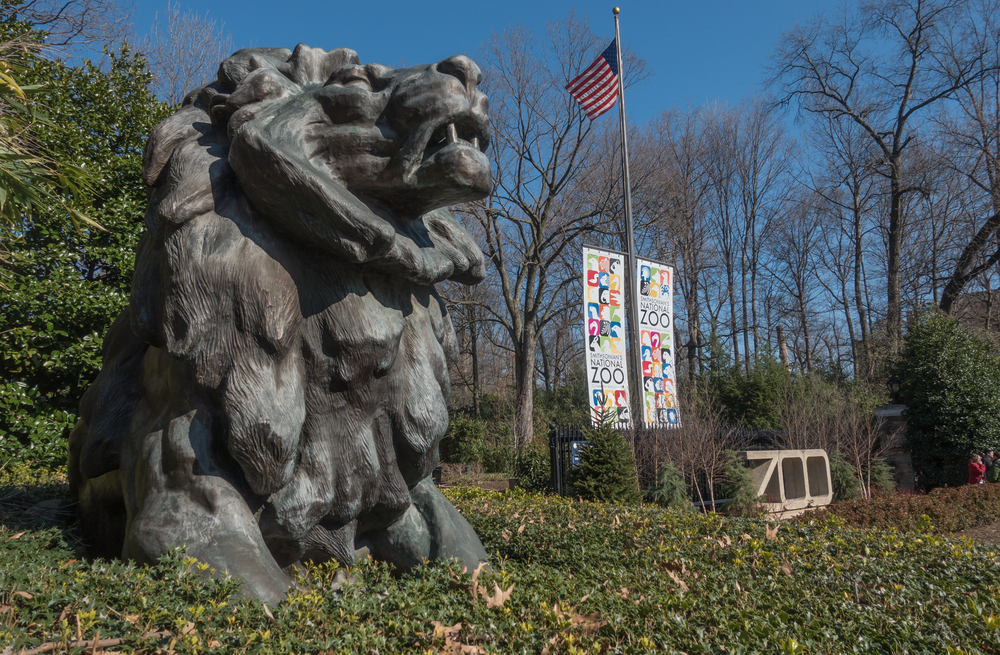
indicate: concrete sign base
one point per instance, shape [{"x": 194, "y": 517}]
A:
[{"x": 791, "y": 481}]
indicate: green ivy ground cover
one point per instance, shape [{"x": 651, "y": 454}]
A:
[{"x": 569, "y": 577}]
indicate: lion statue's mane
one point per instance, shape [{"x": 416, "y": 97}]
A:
[{"x": 277, "y": 388}]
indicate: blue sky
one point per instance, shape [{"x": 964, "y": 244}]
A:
[{"x": 699, "y": 50}]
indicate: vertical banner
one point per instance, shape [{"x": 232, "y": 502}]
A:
[
  {"x": 655, "y": 302},
  {"x": 604, "y": 311}
]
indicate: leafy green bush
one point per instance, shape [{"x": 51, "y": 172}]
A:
[
  {"x": 582, "y": 577},
  {"x": 883, "y": 478},
  {"x": 607, "y": 470},
  {"x": 498, "y": 459},
  {"x": 532, "y": 468},
  {"x": 950, "y": 383},
  {"x": 671, "y": 490},
  {"x": 739, "y": 488},
  {"x": 949, "y": 509},
  {"x": 464, "y": 441},
  {"x": 62, "y": 287},
  {"x": 564, "y": 404},
  {"x": 843, "y": 478},
  {"x": 752, "y": 400}
]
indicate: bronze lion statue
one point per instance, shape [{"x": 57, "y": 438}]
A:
[{"x": 276, "y": 391}]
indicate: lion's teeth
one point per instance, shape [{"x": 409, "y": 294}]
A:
[
  {"x": 452, "y": 133},
  {"x": 475, "y": 142}
]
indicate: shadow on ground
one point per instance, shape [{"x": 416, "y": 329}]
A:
[{"x": 25, "y": 507}]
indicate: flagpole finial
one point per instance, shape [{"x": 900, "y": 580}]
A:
[{"x": 615, "y": 11}]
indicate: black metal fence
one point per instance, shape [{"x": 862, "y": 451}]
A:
[{"x": 562, "y": 438}]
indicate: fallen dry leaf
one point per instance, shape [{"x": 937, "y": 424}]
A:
[
  {"x": 553, "y": 641},
  {"x": 772, "y": 533},
  {"x": 132, "y": 618},
  {"x": 23, "y": 594},
  {"x": 441, "y": 630},
  {"x": 496, "y": 598},
  {"x": 680, "y": 583},
  {"x": 214, "y": 643},
  {"x": 474, "y": 587},
  {"x": 17, "y": 536},
  {"x": 786, "y": 567},
  {"x": 520, "y": 529},
  {"x": 452, "y": 644},
  {"x": 499, "y": 597},
  {"x": 588, "y": 624},
  {"x": 190, "y": 627},
  {"x": 505, "y": 535},
  {"x": 674, "y": 566}
]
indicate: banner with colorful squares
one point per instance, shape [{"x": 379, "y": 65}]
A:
[
  {"x": 604, "y": 309},
  {"x": 654, "y": 300}
]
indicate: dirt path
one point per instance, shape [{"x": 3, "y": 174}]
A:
[{"x": 984, "y": 534}]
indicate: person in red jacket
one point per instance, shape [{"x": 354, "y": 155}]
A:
[{"x": 976, "y": 470}]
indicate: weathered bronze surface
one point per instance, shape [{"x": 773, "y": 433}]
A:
[{"x": 277, "y": 389}]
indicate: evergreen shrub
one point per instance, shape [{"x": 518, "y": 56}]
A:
[
  {"x": 738, "y": 487},
  {"x": 464, "y": 441},
  {"x": 843, "y": 478},
  {"x": 532, "y": 468},
  {"x": 950, "y": 384},
  {"x": 607, "y": 469},
  {"x": 671, "y": 490},
  {"x": 883, "y": 478}
]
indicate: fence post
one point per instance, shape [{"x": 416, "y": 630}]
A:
[{"x": 556, "y": 474}]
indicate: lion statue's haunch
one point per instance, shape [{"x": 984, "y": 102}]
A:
[{"x": 277, "y": 389}]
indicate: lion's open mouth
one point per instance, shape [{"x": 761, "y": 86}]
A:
[{"x": 461, "y": 132}]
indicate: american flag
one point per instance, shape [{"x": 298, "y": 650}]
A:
[{"x": 596, "y": 89}]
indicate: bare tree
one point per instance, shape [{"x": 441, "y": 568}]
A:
[
  {"x": 848, "y": 183},
  {"x": 860, "y": 438},
  {"x": 882, "y": 68},
  {"x": 792, "y": 261},
  {"x": 682, "y": 219},
  {"x": 972, "y": 129},
  {"x": 764, "y": 159},
  {"x": 184, "y": 50},
  {"x": 69, "y": 23},
  {"x": 720, "y": 134},
  {"x": 545, "y": 172}
]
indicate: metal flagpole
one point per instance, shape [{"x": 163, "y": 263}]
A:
[{"x": 633, "y": 320}]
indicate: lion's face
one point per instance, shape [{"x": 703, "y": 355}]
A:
[
  {"x": 411, "y": 139},
  {"x": 417, "y": 135}
]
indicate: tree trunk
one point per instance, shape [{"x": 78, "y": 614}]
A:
[
  {"x": 746, "y": 327},
  {"x": 806, "y": 337},
  {"x": 525, "y": 386},
  {"x": 894, "y": 314},
  {"x": 693, "y": 312},
  {"x": 963, "y": 268},
  {"x": 546, "y": 366},
  {"x": 732, "y": 317},
  {"x": 474, "y": 352},
  {"x": 861, "y": 353},
  {"x": 783, "y": 347}
]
